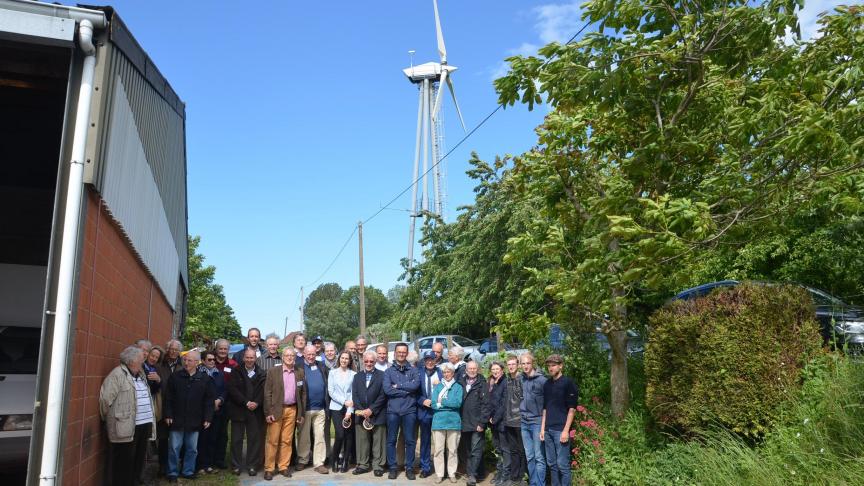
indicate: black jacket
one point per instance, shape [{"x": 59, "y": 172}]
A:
[
  {"x": 372, "y": 397},
  {"x": 242, "y": 389},
  {"x": 474, "y": 408},
  {"x": 188, "y": 400},
  {"x": 495, "y": 404}
]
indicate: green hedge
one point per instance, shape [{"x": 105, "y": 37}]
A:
[{"x": 730, "y": 358}]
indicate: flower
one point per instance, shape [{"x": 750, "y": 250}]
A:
[
  {"x": 581, "y": 409},
  {"x": 572, "y": 434},
  {"x": 602, "y": 460}
]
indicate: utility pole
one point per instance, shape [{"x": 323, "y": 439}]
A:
[
  {"x": 302, "y": 305},
  {"x": 285, "y": 331},
  {"x": 362, "y": 287}
]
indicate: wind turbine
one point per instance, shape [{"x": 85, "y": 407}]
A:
[{"x": 430, "y": 79}]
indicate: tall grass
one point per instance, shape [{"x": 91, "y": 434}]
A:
[{"x": 820, "y": 441}]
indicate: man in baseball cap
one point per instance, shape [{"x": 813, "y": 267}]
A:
[{"x": 430, "y": 375}]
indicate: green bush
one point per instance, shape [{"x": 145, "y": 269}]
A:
[{"x": 730, "y": 359}]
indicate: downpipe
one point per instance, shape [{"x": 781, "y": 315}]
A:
[{"x": 68, "y": 259}]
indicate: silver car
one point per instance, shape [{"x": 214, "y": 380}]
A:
[
  {"x": 471, "y": 347},
  {"x": 19, "y": 357}
]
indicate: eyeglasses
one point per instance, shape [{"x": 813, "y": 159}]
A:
[
  {"x": 210, "y": 359},
  {"x": 368, "y": 360}
]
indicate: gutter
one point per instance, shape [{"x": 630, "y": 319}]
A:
[{"x": 66, "y": 284}]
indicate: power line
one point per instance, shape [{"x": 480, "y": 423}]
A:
[{"x": 350, "y": 237}]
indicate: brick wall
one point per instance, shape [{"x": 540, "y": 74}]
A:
[{"x": 119, "y": 302}]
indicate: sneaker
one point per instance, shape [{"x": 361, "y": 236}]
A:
[{"x": 453, "y": 479}]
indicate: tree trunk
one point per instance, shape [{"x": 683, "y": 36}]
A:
[{"x": 618, "y": 376}]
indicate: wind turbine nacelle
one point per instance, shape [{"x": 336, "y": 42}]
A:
[{"x": 429, "y": 70}]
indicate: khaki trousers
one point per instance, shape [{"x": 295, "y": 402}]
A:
[
  {"x": 280, "y": 441},
  {"x": 450, "y": 440},
  {"x": 371, "y": 446},
  {"x": 313, "y": 425}
]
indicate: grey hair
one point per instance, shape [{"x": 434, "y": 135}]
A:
[
  {"x": 194, "y": 352},
  {"x": 457, "y": 350},
  {"x": 130, "y": 354},
  {"x": 272, "y": 335},
  {"x": 370, "y": 354},
  {"x": 363, "y": 337},
  {"x": 142, "y": 342},
  {"x": 169, "y": 343},
  {"x": 222, "y": 341},
  {"x": 329, "y": 344},
  {"x": 412, "y": 357},
  {"x": 448, "y": 366}
]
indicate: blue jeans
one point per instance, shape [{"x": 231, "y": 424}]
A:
[
  {"x": 408, "y": 422},
  {"x": 534, "y": 454},
  {"x": 558, "y": 458},
  {"x": 426, "y": 444},
  {"x": 188, "y": 440}
]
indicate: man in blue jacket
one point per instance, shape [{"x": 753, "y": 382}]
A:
[
  {"x": 531, "y": 409},
  {"x": 429, "y": 377},
  {"x": 401, "y": 384}
]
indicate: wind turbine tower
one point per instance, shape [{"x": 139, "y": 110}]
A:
[{"x": 430, "y": 79}]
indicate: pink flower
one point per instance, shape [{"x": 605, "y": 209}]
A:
[
  {"x": 574, "y": 464},
  {"x": 572, "y": 434},
  {"x": 602, "y": 460},
  {"x": 595, "y": 443},
  {"x": 580, "y": 408}
]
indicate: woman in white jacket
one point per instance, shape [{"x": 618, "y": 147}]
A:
[{"x": 342, "y": 409}]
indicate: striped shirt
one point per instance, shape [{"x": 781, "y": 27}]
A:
[{"x": 144, "y": 412}]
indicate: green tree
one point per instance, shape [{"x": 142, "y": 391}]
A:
[
  {"x": 335, "y": 313},
  {"x": 463, "y": 282},
  {"x": 330, "y": 319},
  {"x": 679, "y": 128},
  {"x": 378, "y": 308},
  {"x": 209, "y": 316}
]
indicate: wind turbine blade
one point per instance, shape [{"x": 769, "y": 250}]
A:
[
  {"x": 437, "y": 106},
  {"x": 442, "y": 51},
  {"x": 455, "y": 103}
]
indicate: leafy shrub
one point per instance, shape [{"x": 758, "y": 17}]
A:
[{"x": 730, "y": 359}]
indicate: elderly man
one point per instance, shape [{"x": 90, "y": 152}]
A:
[
  {"x": 474, "y": 420},
  {"x": 127, "y": 408},
  {"x": 312, "y": 426},
  {"x": 271, "y": 357},
  {"x": 254, "y": 343},
  {"x": 531, "y": 411},
  {"x": 369, "y": 405},
  {"x": 144, "y": 345},
  {"x": 170, "y": 363},
  {"x": 245, "y": 398},
  {"x": 401, "y": 384},
  {"x": 188, "y": 407},
  {"x": 284, "y": 402},
  {"x": 438, "y": 349},
  {"x": 454, "y": 357},
  {"x": 381, "y": 363}
]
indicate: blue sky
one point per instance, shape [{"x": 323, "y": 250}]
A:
[{"x": 300, "y": 123}]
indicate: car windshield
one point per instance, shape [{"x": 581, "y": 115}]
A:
[
  {"x": 823, "y": 299},
  {"x": 463, "y": 341},
  {"x": 19, "y": 350}
]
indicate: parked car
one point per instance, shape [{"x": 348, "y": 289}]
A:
[
  {"x": 19, "y": 359},
  {"x": 635, "y": 341},
  {"x": 840, "y": 324},
  {"x": 470, "y": 346},
  {"x": 489, "y": 347}
]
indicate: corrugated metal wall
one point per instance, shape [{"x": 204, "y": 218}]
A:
[
  {"x": 160, "y": 133},
  {"x": 133, "y": 197}
]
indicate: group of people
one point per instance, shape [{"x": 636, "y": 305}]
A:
[{"x": 283, "y": 403}]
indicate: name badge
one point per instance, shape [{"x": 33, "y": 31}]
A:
[
  {"x": 300, "y": 383},
  {"x": 278, "y": 364},
  {"x": 313, "y": 368},
  {"x": 226, "y": 370}
]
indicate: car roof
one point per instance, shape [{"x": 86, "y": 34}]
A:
[{"x": 704, "y": 289}]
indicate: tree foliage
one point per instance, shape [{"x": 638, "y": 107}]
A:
[
  {"x": 209, "y": 317},
  {"x": 334, "y": 313},
  {"x": 679, "y": 128}
]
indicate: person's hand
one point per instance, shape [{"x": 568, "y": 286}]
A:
[
  {"x": 270, "y": 419},
  {"x": 565, "y": 437},
  {"x": 347, "y": 415},
  {"x": 349, "y": 403},
  {"x": 428, "y": 402},
  {"x": 479, "y": 428},
  {"x": 542, "y": 435},
  {"x": 217, "y": 403},
  {"x": 206, "y": 425},
  {"x": 153, "y": 376},
  {"x": 367, "y": 413},
  {"x": 299, "y": 420},
  {"x": 168, "y": 422}
]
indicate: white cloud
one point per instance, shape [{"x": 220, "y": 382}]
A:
[
  {"x": 526, "y": 49},
  {"x": 809, "y": 15},
  {"x": 558, "y": 21}
]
